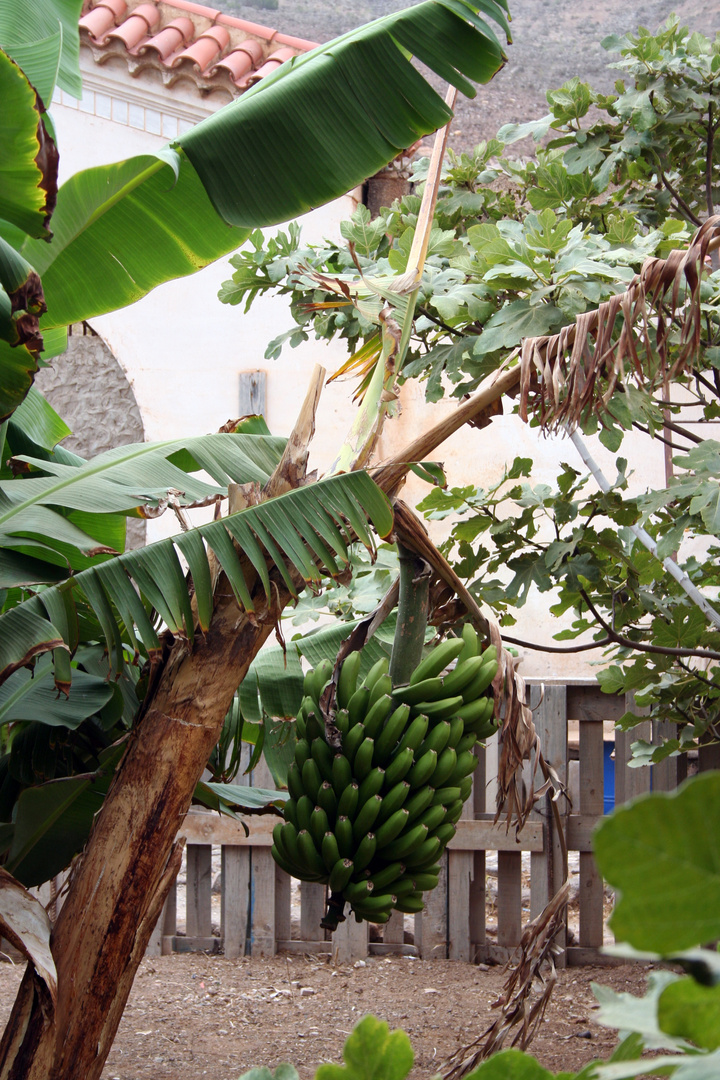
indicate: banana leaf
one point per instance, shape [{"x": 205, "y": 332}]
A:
[{"x": 306, "y": 529}]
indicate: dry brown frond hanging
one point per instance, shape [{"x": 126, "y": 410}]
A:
[{"x": 575, "y": 372}]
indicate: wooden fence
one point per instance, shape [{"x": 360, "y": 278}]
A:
[{"x": 574, "y": 722}]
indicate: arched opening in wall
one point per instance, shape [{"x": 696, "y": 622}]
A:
[{"x": 89, "y": 389}]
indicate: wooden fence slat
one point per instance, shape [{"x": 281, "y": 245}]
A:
[
  {"x": 477, "y": 920},
  {"x": 312, "y": 909},
  {"x": 551, "y": 723},
  {"x": 262, "y": 903},
  {"x": 235, "y": 898},
  {"x": 509, "y": 898},
  {"x": 283, "y": 922},
  {"x": 394, "y": 929},
  {"x": 350, "y": 941},
  {"x": 591, "y": 802},
  {"x": 198, "y": 891},
  {"x": 431, "y": 923}
]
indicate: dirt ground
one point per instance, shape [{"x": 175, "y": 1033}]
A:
[{"x": 204, "y": 1016}]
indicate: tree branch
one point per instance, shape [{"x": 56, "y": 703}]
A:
[
  {"x": 682, "y": 205},
  {"x": 661, "y": 650}
]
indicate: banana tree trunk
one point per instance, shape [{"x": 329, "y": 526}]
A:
[{"x": 119, "y": 883}]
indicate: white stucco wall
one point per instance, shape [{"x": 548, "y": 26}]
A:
[{"x": 183, "y": 351}]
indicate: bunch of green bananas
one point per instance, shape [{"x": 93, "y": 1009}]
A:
[{"x": 372, "y": 819}]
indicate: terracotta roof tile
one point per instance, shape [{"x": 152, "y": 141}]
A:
[
  {"x": 174, "y": 36},
  {"x": 179, "y": 37},
  {"x": 103, "y": 17}
]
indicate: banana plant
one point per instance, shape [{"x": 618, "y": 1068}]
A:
[{"x": 122, "y": 229}]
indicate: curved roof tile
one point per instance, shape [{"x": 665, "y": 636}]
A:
[{"x": 173, "y": 36}]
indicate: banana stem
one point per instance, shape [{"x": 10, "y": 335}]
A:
[{"x": 413, "y": 603}]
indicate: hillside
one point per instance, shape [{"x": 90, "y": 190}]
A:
[{"x": 553, "y": 40}]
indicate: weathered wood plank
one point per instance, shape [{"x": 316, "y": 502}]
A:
[
  {"x": 262, "y": 903},
  {"x": 591, "y": 803},
  {"x": 431, "y": 935},
  {"x": 394, "y": 929},
  {"x": 477, "y": 922},
  {"x": 631, "y": 782},
  {"x": 509, "y": 898},
  {"x": 204, "y": 828},
  {"x": 580, "y": 957},
  {"x": 350, "y": 941},
  {"x": 551, "y": 724},
  {"x": 484, "y": 836},
  {"x": 283, "y": 924},
  {"x": 312, "y": 909},
  {"x": 184, "y": 944},
  {"x": 198, "y": 891},
  {"x": 460, "y": 870},
  {"x": 235, "y": 898},
  {"x": 590, "y": 705}
]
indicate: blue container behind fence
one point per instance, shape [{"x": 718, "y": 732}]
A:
[{"x": 608, "y": 777}]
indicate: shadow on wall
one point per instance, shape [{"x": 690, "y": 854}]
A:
[{"x": 91, "y": 392}]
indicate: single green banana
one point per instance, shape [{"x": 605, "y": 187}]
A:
[
  {"x": 424, "y": 881},
  {"x": 282, "y": 862},
  {"x": 379, "y": 668},
  {"x": 433, "y": 816},
  {"x": 489, "y": 654},
  {"x": 316, "y": 680},
  {"x": 457, "y": 729},
  {"x": 393, "y": 800},
  {"x": 471, "y": 645},
  {"x": 444, "y": 833},
  {"x": 386, "y": 741},
  {"x": 436, "y": 739},
  {"x": 444, "y": 709},
  {"x": 487, "y": 731},
  {"x": 419, "y": 801},
  {"x": 371, "y": 785},
  {"x": 446, "y": 763},
  {"x": 405, "y": 844},
  {"x": 391, "y": 828},
  {"x": 358, "y": 891},
  {"x": 427, "y": 690},
  {"x": 314, "y": 728},
  {"x": 365, "y": 852},
  {"x": 302, "y": 752},
  {"x": 377, "y": 715},
  {"x": 294, "y": 782},
  {"x": 366, "y": 817},
  {"x": 348, "y": 801},
  {"x": 414, "y": 735},
  {"x": 347, "y": 679},
  {"x": 344, "y": 837},
  {"x": 365, "y": 915},
  {"x": 319, "y": 825},
  {"x": 382, "y": 687},
  {"x": 466, "y": 764},
  {"x": 328, "y": 800},
  {"x": 411, "y": 904},
  {"x": 461, "y": 676},
  {"x": 444, "y": 796},
  {"x": 403, "y": 886},
  {"x": 340, "y": 874},
  {"x": 311, "y": 779},
  {"x": 329, "y": 851},
  {"x": 342, "y": 721},
  {"x": 474, "y": 712},
  {"x": 424, "y": 855},
  {"x": 442, "y": 655},
  {"x": 341, "y": 775},
  {"x": 423, "y": 769},
  {"x": 385, "y": 877},
  {"x": 289, "y": 810},
  {"x": 357, "y": 706},
  {"x": 309, "y": 856},
  {"x": 323, "y": 756},
  {"x": 482, "y": 680},
  {"x": 466, "y": 743},
  {"x": 352, "y": 741},
  {"x": 300, "y": 722},
  {"x": 289, "y": 844},
  {"x": 465, "y": 786},
  {"x": 305, "y": 807},
  {"x": 362, "y": 762},
  {"x": 398, "y": 768},
  {"x": 374, "y": 907}
]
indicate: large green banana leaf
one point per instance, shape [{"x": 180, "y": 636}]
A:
[
  {"x": 42, "y": 37},
  {"x": 301, "y": 137},
  {"x": 307, "y": 529},
  {"x": 73, "y": 509}
]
